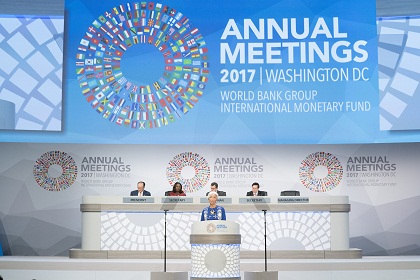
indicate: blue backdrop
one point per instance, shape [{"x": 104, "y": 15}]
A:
[
  {"x": 188, "y": 72},
  {"x": 264, "y": 72}
]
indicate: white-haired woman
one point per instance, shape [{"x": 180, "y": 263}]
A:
[{"x": 213, "y": 211}]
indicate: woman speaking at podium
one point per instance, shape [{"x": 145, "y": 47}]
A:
[{"x": 213, "y": 211}]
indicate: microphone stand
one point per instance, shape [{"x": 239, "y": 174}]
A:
[
  {"x": 164, "y": 248},
  {"x": 265, "y": 238}
]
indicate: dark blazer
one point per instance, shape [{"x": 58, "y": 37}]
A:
[
  {"x": 136, "y": 193},
  {"x": 260, "y": 193},
  {"x": 219, "y": 193}
]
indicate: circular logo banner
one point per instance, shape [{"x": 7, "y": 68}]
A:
[
  {"x": 55, "y": 183},
  {"x": 133, "y": 102},
  {"x": 201, "y": 171},
  {"x": 320, "y": 172}
]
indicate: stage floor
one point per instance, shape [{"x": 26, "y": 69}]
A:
[{"x": 64, "y": 268}]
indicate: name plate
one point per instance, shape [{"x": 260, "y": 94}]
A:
[
  {"x": 293, "y": 200},
  {"x": 177, "y": 199},
  {"x": 220, "y": 200},
  {"x": 254, "y": 199},
  {"x": 139, "y": 199}
]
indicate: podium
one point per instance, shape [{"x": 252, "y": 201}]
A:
[{"x": 215, "y": 250}]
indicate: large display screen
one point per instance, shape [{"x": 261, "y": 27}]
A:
[{"x": 223, "y": 72}]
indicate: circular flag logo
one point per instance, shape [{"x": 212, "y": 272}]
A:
[
  {"x": 190, "y": 169},
  {"x": 50, "y": 162},
  {"x": 124, "y": 94},
  {"x": 320, "y": 172}
]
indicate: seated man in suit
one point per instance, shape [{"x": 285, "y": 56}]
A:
[
  {"x": 256, "y": 190},
  {"x": 214, "y": 187},
  {"x": 140, "y": 190}
]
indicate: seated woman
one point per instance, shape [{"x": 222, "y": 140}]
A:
[
  {"x": 213, "y": 211},
  {"x": 176, "y": 190}
]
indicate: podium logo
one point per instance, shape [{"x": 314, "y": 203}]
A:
[
  {"x": 320, "y": 172},
  {"x": 55, "y": 171},
  {"x": 190, "y": 169},
  {"x": 211, "y": 228}
]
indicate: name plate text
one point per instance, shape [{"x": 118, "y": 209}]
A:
[
  {"x": 139, "y": 199},
  {"x": 177, "y": 199},
  {"x": 254, "y": 199},
  {"x": 220, "y": 200},
  {"x": 293, "y": 200}
]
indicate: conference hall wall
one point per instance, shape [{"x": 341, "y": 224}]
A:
[{"x": 299, "y": 95}]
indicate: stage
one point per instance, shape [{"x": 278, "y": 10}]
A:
[{"x": 64, "y": 268}]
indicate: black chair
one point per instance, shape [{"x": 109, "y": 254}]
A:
[
  {"x": 290, "y": 193},
  {"x": 222, "y": 193},
  {"x": 167, "y": 193},
  {"x": 264, "y": 193},
  {"x": 219, "y": 193}
]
